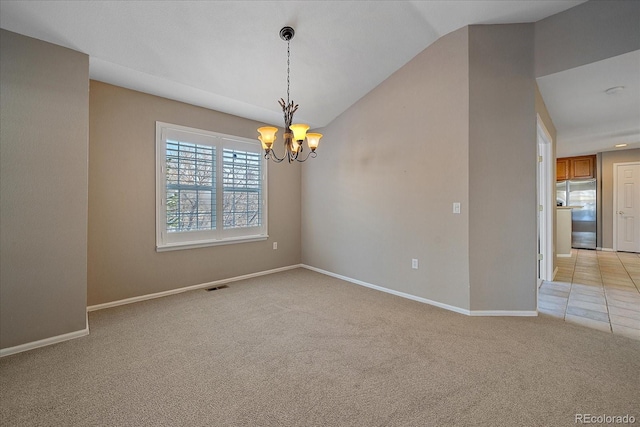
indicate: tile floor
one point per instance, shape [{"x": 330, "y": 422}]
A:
[{"x": 596, "y": 289}]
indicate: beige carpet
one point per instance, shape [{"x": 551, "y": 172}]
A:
[{"x": 302, "y": 349}]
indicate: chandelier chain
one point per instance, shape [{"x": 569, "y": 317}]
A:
[{"x": 288, "y": 68}]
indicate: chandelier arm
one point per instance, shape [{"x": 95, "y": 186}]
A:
[
  {"x": 311, "y": 154},
  {"x": 272, "y": 155}
]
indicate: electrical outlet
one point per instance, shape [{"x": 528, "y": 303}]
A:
[
  {"x": 414, "y": 264},
  {"x": 275, "y": 245},
  {"x": 456, "y": 207}
]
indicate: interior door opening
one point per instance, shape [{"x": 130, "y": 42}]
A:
[{"x": 546, "y": 191}]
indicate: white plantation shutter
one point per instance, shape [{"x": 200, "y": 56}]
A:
[
  {"x": 210, "y": 188},
  {"x": 242, "y": 188},
  {"x": 191, "y": 186}
]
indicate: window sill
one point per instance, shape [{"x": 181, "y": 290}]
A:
[{"x": 206, "y": 243}]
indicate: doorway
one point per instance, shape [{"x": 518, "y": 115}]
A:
[
  {"x": 626, "y": 207},
  {"x": 546, "y": 185}
]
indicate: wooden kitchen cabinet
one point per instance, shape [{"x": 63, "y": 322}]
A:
[
  {"x": 562, "y": 169},
  {"x": 581, "y": 167}
]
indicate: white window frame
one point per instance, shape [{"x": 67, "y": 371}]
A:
[{"x": 167, "y": 241}]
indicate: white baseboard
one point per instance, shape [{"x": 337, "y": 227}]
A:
[
  {"x": 605, "y": 249},
  {"x": 505, "y": 313},
  {"x": 45, "y": 342},
  {"x": 425, "y": 300},
  {"x": 389, "y": 291},
  {"x": 188, "y": 288},
  {"x": 555, "y": 271},
  {"x": 563, "y": 255}
]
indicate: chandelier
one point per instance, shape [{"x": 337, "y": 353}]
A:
[{"x": 294, "y": 134}]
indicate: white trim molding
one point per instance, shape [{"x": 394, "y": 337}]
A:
[
  {"x": 546, "y": 182},
  {"x": 423, "y": 300},
  {"x": 504, "y": 313},
  {"x": 188, "y": 288},
  {"x": 47, "y": 341},
  {"x": 389, "y": 291}
]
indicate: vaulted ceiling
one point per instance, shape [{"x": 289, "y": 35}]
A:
[
  {"x": 228, "y": 56},
  {"x": 595, "y": 106}
]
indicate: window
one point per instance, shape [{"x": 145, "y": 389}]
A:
[{"x": 210, "y": 188}]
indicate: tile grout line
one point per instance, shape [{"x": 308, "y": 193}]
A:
[
  {"x": 573, "y": 272},
  {"x": 578, "y": 252},
  {"x": 627, "y": 271},
  {"x": 604, "y": 292}
]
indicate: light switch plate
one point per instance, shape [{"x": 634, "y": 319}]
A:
[{"x": 456, "y": 207}]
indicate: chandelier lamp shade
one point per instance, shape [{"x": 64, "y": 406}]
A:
[{"x": 294, "y": 133}]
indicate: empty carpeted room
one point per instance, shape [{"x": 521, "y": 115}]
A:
[{"x": 307, "y": 213}]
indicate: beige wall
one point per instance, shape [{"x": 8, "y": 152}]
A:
[
  {"x": 456, "y": 124},
  {"x": 44, "y": 96},
  {"x": 122, "y": 260},
  {"x": 381, "y": 190},
  {"x": 502, "y": 168},
  {"x": 608, "y": 158},
  {"x": 586, "y": 33}
]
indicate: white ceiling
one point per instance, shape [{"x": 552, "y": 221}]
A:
[
  {"x": 228, "y": 56},
  {"x": 589, "y": 120}
]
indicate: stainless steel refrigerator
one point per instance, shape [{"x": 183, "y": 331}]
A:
[{"x": 581, "y": 196}]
